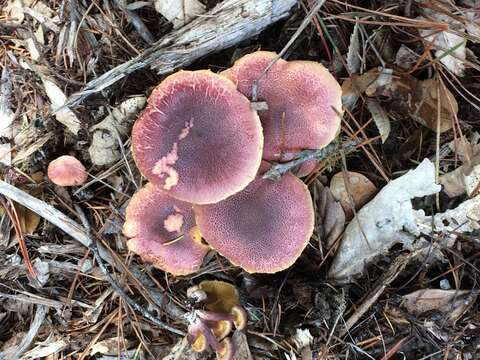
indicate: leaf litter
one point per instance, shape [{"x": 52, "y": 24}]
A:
[{"x": 409, "y": 260}]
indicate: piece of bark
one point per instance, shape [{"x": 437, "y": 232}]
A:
[{"x": 227, "y": 24}]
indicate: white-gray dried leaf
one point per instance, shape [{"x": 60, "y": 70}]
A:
[
  {"x": 353, "y": 55},
  {"x": 450, "y": 47},
  {"x": 387, "y": 219},
  {"x": 111, "y": 131},
  {"x": 380, "y": 117},
  {"x": 179, "y": 12}
]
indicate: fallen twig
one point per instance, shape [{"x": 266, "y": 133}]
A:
[
  {"x": 227, "y": 24},
  {"x": 116, "y": 287},
  {"x": 40, "y": 313},
  {"x": 76, "y": 231},
  {"x": 278, "y": 169}
]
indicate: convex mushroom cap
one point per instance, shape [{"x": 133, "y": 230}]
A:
[
  {"x": 162, "y": 231},
  {"x": 198, "y": 139},
  {"x": 303, "y": 99},
  {"x": 67, "y": 170},
  {"x": 263, "y": 228}
]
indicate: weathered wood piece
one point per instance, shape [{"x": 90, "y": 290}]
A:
[{"x": 227, "y": 24}]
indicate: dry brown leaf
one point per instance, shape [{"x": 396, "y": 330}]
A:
[
  {"x": 330, "y": 217},
  {"x": 453, "y": 303},
  {"x": 359, "y": 187},
  {"x": 380, "y": 118},
  {"x": 465, "y": 178},
  {"x": 356, "y": 85},
  {"x": 29, "y": 220},
  {"x": 418, "y": 99}
]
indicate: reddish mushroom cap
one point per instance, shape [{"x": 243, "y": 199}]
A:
[
  {"x": 198, "y": 138},
  {"x": 67, "y": 171},
  {"x": 162, "y": 231},
  {"x": 304, "y": 101},
  {"x": 264, "y": 228}
]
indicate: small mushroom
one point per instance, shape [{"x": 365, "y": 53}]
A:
[
  {"x": 198, "y": 139},
  {"x": 304, "y": 102},
  {"x": 67, "y": 170},
  {"x": 210, "y": 326},
  {"x": 211, "y": 329},
  {"x": 162, "y": 231},
  {"x": 264, "y": 228},
  {"x": 221, "y": 296}
]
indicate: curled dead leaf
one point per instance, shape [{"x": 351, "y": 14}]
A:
[
  {"x": 111, "y": 131},
  {"x": 453, "y": 303},
  {"x": 359, "y": 188},
  {"x": 387, "y": 219},
  {"x": 330, "y": 217}
]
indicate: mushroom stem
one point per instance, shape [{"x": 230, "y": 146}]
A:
[{"x": 214, "y": 316}]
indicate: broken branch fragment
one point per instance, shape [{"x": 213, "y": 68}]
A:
[{"x": 227, "y": 24}]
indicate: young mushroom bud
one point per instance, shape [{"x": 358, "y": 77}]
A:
[
  {"x": 221, "y": 296},
  {"x": 198, "y": 138},
  {"x": 303, "y": 100},
  {"x": 222, "y": 328},
  {"x": 199, "y": 344},
  {"x": 262, "y": 229},
  {"x": 240, "y": 318},
  {"x": 162, "y": 231},
  {"x": 226, "y": 351},
  {"x": 67, "y": 171}
]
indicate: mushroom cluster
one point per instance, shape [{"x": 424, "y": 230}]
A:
[
  {"x": 210, "y": 326},
  {"x": 204, "y": 148}
]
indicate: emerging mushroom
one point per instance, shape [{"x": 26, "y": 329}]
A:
[
  {"x": 210, "y": 328},
  {"x": 66, "y": 170},
  {"x": 264, "y": 228},
  {"x": 162, "y": 231},
  {"x": 222, "y": 296},
  {"x": 303, "y": 99},
  {"x": 198, "y": 138}
]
